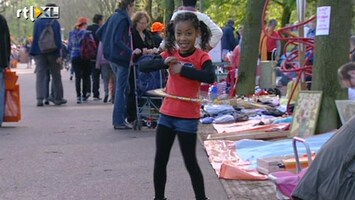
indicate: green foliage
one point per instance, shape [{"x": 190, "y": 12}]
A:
[
  {"x": 20, "y": 29},
  {"x": 222, "y": 10}
]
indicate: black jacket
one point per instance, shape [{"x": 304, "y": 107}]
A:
[
  {"x": 140, "y": 44},
  {"x": 93, "y": 28},
  {"x": 5, "y": 45}
]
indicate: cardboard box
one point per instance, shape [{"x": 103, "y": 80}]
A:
[{"x": 271, "y": 164}]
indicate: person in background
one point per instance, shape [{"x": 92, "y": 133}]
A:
[
  {"x": 157, "y": 30},
  {"x": 72, "y": 72},
  {"x": 311, "y": 33},
  {"x": 5, "y": 52},
  {"x": 142, "y": 44},
  {"x": 106, "y": 72},
  {"x": 28, "y": 47},
  {"x": 188, "y": 66},
  {"x": 239, "y": 34},
  {"x": 81, "y": 66},
  {"x": 45, "y": 61},
  {"x": 270, "y": 48},
  {"x": 228, "y": 38},
  {"x": 116, "y": 37},
  {"x": 98, "y": 20}
]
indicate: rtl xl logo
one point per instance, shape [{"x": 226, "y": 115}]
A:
[{"x": 33, "y": 13}]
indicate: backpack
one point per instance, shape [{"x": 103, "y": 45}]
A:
[
  {"x": 88, "y": 47},
  {"x": 46, "y": 40},
  {"x": 149, "y": 80}
]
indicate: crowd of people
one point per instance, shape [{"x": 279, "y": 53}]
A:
[{"x": 117, "y": 44}]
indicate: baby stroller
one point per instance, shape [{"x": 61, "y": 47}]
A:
[
  {"x": 147, "y": 106},
  {"x": 286, "y": 181}
]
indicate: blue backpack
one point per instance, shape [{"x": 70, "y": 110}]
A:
[{"x": 149, "y": 80}]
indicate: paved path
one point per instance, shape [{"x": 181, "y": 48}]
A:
[{"x": 71, "y": 152}]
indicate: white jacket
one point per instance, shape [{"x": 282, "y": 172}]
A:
[{"x": 214, "y": 28}]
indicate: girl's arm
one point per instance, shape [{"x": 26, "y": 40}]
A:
[
  {"x": 206, "y": 75},
  {"x": 154, "y": 64}
]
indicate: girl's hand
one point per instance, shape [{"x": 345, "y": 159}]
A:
[
  {"x": 175, "y": 68},
  {"x": 171, "y": 60},
  {"x": 137, "y": 51}
]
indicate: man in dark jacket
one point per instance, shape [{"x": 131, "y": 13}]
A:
[
  {"x": 48, "y": 61},
  {"x": 5, "y": 52},
  {"x": 116, "y": 37},
  {"x": 228, "y": 38},
  {"x": 95, "y": 73}
]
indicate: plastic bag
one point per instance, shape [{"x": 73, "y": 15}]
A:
[
  {"x": 10, "y": 78},
  {"x": 12, "y": 105}
]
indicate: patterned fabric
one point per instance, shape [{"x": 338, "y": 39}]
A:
[{"x": 75, "y": 37}]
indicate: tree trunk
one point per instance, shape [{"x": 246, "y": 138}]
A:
[
  {"x": 331, "y": 51},
  {"x": 286, "y": 15},
  {"x": 148, "y": 7},
  {"x": 250, "y": 48},
  {"x": 170, "y": 7}
]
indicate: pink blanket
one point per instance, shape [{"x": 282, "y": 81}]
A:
[
  {"x": 224, "y": 159},
  {"x": 248, "y": 126}
]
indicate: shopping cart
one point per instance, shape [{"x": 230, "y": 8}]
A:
[{"x": 147, "y": 105}]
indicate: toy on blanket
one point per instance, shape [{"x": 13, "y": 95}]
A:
[{"x": 245, "y": 103}]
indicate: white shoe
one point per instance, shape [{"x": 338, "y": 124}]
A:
[{"x": 126, "y": 123}]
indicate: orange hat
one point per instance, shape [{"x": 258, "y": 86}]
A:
[
  {"x": 157, "y": 27},
  {"x": 81, "y": 21}
]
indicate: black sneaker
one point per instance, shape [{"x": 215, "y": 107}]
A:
[
  {"x": 121, "y": 127},
  {"x": 78, "y": 100},
  {"x": 39, "y": 103},
  {"x": 105, "y": 99}
]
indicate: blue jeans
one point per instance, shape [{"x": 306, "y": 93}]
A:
[
  {"x": 119, "y": 108},
  {"x": 179, "y": 124},
  {"x": 2, "y": 96}
]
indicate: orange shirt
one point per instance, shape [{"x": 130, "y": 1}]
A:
[{"x": 178, "y": 85}]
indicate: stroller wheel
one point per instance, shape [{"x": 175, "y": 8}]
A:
[{"x": 149, "y": 124}]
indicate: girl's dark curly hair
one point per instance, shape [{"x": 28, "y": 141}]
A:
[{"x": 198, "y": 25}]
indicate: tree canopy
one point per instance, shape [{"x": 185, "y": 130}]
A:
[{"x": 160, "y": 10}]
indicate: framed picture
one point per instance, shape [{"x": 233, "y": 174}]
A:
[
  {"x": 305, "y": 114},
  {"x": 346, "y": 109}
]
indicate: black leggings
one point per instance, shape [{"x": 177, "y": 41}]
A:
[{"x": 164, "y": 141}]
